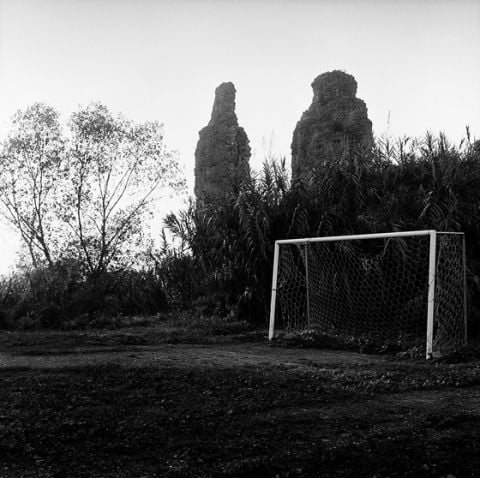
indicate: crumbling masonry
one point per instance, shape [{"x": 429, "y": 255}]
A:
[
  {"x": 336, "y": 117},
  {"x": 223, "y": 151}
]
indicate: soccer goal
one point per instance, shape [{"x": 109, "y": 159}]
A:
[{"x": 408, "y": 288}]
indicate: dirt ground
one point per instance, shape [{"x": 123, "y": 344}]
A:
[
  {"x": 232, "y": 409},
  {"x": 183, "y": 355}
]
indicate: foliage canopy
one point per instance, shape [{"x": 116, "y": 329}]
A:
[{"x": 83, "y": 193}]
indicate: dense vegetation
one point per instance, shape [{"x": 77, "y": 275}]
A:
[
  {"x": 216, "y": 257},
  {"x": 408, "y": 185}
]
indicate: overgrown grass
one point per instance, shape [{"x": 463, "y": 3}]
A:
[
  {"x": 363, "y": 343},
  {"x": 136, "y": 330}
]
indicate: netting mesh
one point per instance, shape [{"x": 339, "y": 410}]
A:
[
  {"x": 449, "y": 330},
  {"x": 373, "y": 287}
]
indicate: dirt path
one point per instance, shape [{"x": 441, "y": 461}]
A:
[
  {"x": 233, "y": 355},
  {"x": 184, "y": 355}
]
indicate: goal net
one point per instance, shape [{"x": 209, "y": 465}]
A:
[{"x": 406, "y": 288}]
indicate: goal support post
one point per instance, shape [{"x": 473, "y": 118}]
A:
[
  {"x": 273, "y": 300},
  {"x": 431, "y": 293},
  {"x": 340, "y": 284}
]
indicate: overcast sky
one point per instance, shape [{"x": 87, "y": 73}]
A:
[{"x": 162, "y": 59}]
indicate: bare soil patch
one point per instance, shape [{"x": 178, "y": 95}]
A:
[{"x": 226, "y": 354}]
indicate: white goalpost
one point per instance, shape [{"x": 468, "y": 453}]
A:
[{"x": 403, "y": 287}]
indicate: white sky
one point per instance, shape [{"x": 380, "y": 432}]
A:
[{"x": 417, "y": 59}]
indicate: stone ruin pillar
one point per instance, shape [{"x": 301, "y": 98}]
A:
[
  {"x": 223, "y": 151},
  {"x": 336, "y": 117}
]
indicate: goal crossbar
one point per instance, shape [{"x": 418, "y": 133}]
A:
[{"x": 354, "y": 237}]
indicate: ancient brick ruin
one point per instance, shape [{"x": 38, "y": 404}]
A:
[
  {"x": 336, "y": 117},
  {"x": 223, "y": 151}
]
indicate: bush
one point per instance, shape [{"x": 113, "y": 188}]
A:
[
  {"x": 409, "y": 185},
  {"x": 61, "y": 296},
  {"x": 4, "y": 322}
]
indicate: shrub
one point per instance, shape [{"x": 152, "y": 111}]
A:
[
  {"x": 407, "y": 185},
  {"x": 62, "y": 296}
]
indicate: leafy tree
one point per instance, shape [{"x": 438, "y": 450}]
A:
[
  {"x": 32, "y": 163},
  {"x": 117, "y": 171},
  {"x": 83, "y": 195}
]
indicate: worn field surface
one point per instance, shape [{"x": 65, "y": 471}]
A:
[{"x": 130, "y": 404}]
